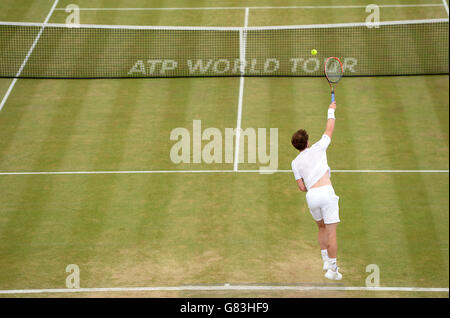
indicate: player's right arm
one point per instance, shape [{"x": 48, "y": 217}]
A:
[
  {"x": 301, "y": 185},
  {"x": 331, "y": 119}
]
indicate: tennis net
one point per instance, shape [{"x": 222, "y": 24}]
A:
[{"x": 34, "y": 50}]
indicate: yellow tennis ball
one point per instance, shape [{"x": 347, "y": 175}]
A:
[{"x": 314, "y": 52}]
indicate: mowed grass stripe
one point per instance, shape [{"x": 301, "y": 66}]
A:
[
  {"x": 383, "y": 226},
  {"x": 424, "y": 241},
  {"x": 249, "y": 231},
  {"x": 17, "y": 124},
  {"x": 94, "y": 215},
  {"x": 112, "y": 116},
  {"x": 163, "y": 105},
  {"x": 23, "y": 128},
  {"x": 55, "y": 138},
  {"x": 421, "y": 131},
  {"x": 432, "y": 130},
  {"x": 439, "y": 201},
  {"x": 89, "y": 198},
  {"x": 152, "y": 220},
  {"x": 159, "y": 106},
  {"x": 437, "y": 104},
  {"x": 24, "y": 11},
  {"x": 201, "y": 223},
  {"x": 173, "y": 109},
  {"x": 361, "y": 212},
  {"x": 311, "y": 101},
  {"x": 380, "y": 101},
  {"x": 200, "y": 234},
  {"x": 60, "y": 155},
  {"x": 413, "y": 155},
  {"x": 427, "y": 231}
]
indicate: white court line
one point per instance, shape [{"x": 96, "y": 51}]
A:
[
  {"x": 243, "y": 44},
  {"x": 444, "y": 3},
  {"x": 225, "y": 288},
  {"x": 263, "y": 7},
  {"x": 13, "y": 83},
  {"x": 205, "y": 171}
]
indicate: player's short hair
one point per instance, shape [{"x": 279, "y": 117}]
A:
[{"x": 300, "y": 140}]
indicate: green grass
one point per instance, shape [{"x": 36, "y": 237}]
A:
[
  {"x": 263, "y": 17},
  {"x": 176, "y": 229},
  {"x": 150, "y": 231},
  {"x": 233, "y": 18},
  {"x": 396, "y": 123},
  {"x": 4, "y": 84},
  {"x": 24, "y": 10},
  {"x": 113, "y": 125}
]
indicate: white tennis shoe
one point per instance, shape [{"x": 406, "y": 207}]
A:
[
  {"x": 325, "y": 265},
  {"x": 333, "y": 275}
]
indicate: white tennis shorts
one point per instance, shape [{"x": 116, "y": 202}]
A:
[{"x": 323, "y": 204}]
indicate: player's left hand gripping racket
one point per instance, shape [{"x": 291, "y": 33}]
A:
[{"x": 334, "y": 72}]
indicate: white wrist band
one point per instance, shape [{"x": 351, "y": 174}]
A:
[{"x": 331, "y": 113}]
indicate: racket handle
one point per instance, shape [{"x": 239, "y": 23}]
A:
[{"x": 332, "y": 96}]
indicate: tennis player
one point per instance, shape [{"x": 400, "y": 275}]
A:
[{"x": 313, "y": 174}]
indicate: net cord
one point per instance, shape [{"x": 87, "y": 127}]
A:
[{"x": 193, "y": 28}]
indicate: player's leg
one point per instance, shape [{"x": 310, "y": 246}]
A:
[
  {"x": 331, "y": 220},
  {"x": 314, "y": 199},
  {"x": 330, "y": 230},
  {"x": 323, "y": 243},
  {"x": 332, "y": 272}
]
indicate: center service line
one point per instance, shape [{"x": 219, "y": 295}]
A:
[{"x": 243, "y": 44}]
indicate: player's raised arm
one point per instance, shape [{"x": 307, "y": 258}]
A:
[{"x": 331, "y": 119}]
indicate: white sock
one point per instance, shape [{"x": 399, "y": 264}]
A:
[
  {"x": 324, "y": 255},
  {"x": 332, "y": 262}
]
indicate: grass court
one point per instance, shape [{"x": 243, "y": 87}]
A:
[{"x": 212, "y": 228}]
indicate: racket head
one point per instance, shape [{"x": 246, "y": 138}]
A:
[{"x": 333, "y": 69}]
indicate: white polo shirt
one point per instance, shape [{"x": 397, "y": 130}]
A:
[{"x": 311, "y": 164}]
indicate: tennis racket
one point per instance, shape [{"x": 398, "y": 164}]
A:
[{"x": 333, "y": 72}]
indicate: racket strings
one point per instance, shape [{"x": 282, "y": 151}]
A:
[{"x": 333, "y": 70}]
